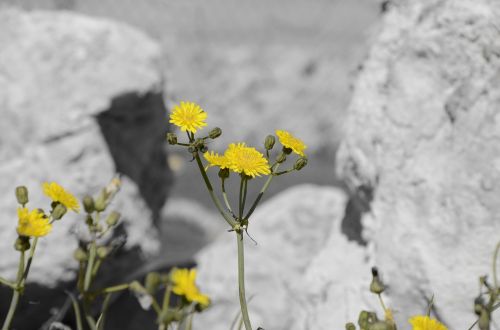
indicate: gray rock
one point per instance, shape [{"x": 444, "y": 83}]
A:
[
  {"x": 423, "y": 134},
  {"x": 290, "y": 229},
  {"x": 80, "y": 99}
]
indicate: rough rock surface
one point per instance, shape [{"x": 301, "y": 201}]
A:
[
  {"x": 423, "y": 133},
  {"x": 290, "y": 229},
  {"x": 79, "y": 101}
]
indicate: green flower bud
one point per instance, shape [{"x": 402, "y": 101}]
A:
[
  {"x": 59, "y": 211},
  {"x": 300, "y": 163},
  {"x": 191, "y": 149},
  {"x": 269, "y": 142},
  {"x": 107, "y": 194},
  {"x": 199, "y": 144},
  {"x": 287, "y": 151},
  {"x": 102, "y": 252},
  {"x": 484, "y": 320},
  {"x": 366, "y": 318},
  {"x": 204, "y": 149},
  {"x": 478, "y": 305},
  {"x": 152, "y": 282},
  {"x": 113, "y": 218},
  {"x": 172, "y": 138},
  {"x": 80, "y": 255},
  {"x": 89, "y": 221},
  {"x": 88, "y": 204},
  {"x": 22, "y": 195},
  {"x": 100, "y": 203},
  {"x": 376, "y": 286},
  {"x": 22, "y": 243},
  {"x": 224, "y": 173},
  {"x": 350, "y": 326},
  {"x": 281, "y": 158},
  {"x": 215, "y": 133},
  {"x": 379, "y": 325}
]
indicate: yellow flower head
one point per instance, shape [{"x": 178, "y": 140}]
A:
[
  {"x": 290, "y": 141},
  {"x": 247, "y": 160},
  {"x": 421, "y": 322},
  {"x": 32, "y": 224},
  {"x": 188, "y": 116},
  {"x": 214, "y": 159},
  {"x": 184, "y": 285},
  {"x": 58, "y": 194}
]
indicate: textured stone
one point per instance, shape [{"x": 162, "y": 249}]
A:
[
  {"x": 290, "y": 229},
  {"x": 423, "y": 133},
  {"x": 80, "y": 99}
]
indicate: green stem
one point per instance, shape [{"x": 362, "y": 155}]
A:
[
  {"x": 166, "y": 298},
  {"x": 90, "y": 266},
  {"x": 112, "y": 289},
  {"x": 30, "y": 259},
  {"x": 495, "y": 257},
  {"x": 240, "y": 205},
  {"x": 241, "y": 280},
  {"x": 224, "y": 195},
  {"x": 211, "y": 191},
  {"x": 7, "y": 283},
  {"x": 16, "y": 294},
  {"x": 76, "y": 309},
  {"x": 261, "y": 193},
  {"x": 104, "y": 309}
]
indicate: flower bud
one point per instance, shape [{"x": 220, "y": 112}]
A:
[
  {"x": 379, "y": 325},
  {"x": 366, "y": 318},
  {"x": 80, "y": 255},
  {"x": 88, "y": 204},
  {"x": 224, "y": 173},
  {"x": 191, "y": 149},
  {"x": 102, "y": 252},
  {"x": 22, "y": 243},
  {"x": 59, "y": 211},
  {"x": 22, "y": 195},
  {"x": 478, "y": 305},
  {"x": 269, "y": 142},
  {"x": 484, "y": 320},
  {"x": 172, "y": 138},
  {"x": 215, "y": 133},
  {"x": 376, "y": 286},
  {"x": 350, "y": 326},
  {"x": 152, "y": 282},
  {"x": 300, "y": 163},
  {"x": 113, "y": 218},
  {"x": 281, "y": 158}
]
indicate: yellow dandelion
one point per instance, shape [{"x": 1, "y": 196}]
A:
[
  {"x": 57, "y": 193},
  {"x": 421, "y": 322},
  {"x": 188, "y": 116},
  {"x": 32, "y": 224},
  {"x": 214, "y": 159},
  {"x": 291, "y": 142},
  {"x": 247, "y": 160},
  {"x": 184, "y": 285}
]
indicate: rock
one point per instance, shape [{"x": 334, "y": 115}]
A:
[
  {"x": 80, "y": 100},
  {"x": 290, "y": 229},
  {"x": 423, "y": 133}
]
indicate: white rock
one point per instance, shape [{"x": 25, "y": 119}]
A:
[
  {"x": 58, "y": 71},
  {"x": 290, "y": 229},
  {"x": 423, "y": 130}
]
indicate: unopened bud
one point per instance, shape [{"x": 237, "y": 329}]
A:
[
  {"x": 215, "y": 133},
  {"x": 478, "y": 305},
  {"x": 376, "y": 286},
  {"x": 191, "y": 149},
  {"x": 281, "y": 158},
  {"x": 172, "y": 138},
  {"x": 59, "y": 211},
  {"x": 379, "y": 325},
  {"x": 269, "y": 142},
  {"x": 300, "y": 163},
  {"x": 113, "y": 218},
  {"x": 22, "y": 195},
  {"x": 80, "y": 255},
  {"x": 88, "y": 204},
  {"x": 22, "y": 243},
  {"x": 224, "y": 173},
  {"x": 102, "y": 252},
  {"x": 366, "y": 318},
  {"x": 152, "y": 282},
  {"x": 350, "y": 326},
  {"x": 484, "y": 320}
]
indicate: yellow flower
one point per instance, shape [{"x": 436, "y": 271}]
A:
[
  {"x": 188, "y": 116},
  {"x": 247, "y": 160},
  {"x": 58, "y": 194},
  {"x": 388, "y": 315},
  {"x": 214, "y": 159},
  {"x": 32, "y": 224},
  {"x": 421, "y": 322},
  {"x": 291, "y": 142},
  {"x": 184, "y": 285}
]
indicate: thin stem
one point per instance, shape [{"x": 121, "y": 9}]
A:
[
  {"x": 104, "y": 309},
  {"x": 7, "y": 283},
  {"x": 240, "y": 205},
  {"x": 76, "y": 309},
  {"x": 382, "y": 302},
  {"x": 495, "y": 257},
  {"x": 261, "y": 193},
  {"x": 224, "y": 195},
  {"x": 241, "y": 280},
  {"x": 112, "y": 289},
  {"x": 166, "y": 298},
  {"x": 211, "y": 191},
  {"x": 30, "y": 259},
  {"x": 16, "y": 294},
  {"x": 90, "y": 266}
]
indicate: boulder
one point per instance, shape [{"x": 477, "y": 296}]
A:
[
  {"x": 80, "y": 100},
  {"x": 289, "y": 230},
  {"x": 422, "y": 135}
]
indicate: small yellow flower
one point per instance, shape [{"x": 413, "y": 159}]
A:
[
  {"x": 290, "y": 141},
  {"x": 188, "y": 116},
  {"x": 247, "y": 160},
  {"x": 214, "y": 159},
  {"x": 32, "y": 224},
  {"x": 184, "y": 285},
  {"x": 57, "y": 193},
  {"x": 421, "y": 322}
]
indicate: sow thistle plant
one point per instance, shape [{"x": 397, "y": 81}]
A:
[{"x": 242, "y": 160}]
